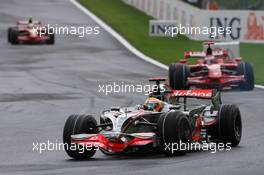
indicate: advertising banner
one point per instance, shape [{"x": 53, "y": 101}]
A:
[{"x": 245, "y": 25}]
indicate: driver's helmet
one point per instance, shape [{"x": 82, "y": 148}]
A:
[
  {"x": 30, "y": 23},
  {"x": 209, "y": 50},
  {"x": 30, "y": 20},
  {"x": 154, "y": 104}
]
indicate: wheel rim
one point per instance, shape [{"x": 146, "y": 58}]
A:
[
  {"x": 237, "y": 127},
  {"x": 184, "y": 131}
]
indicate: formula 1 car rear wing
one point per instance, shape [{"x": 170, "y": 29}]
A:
[
  {"x": 210, "y": 94},
  {"x": 195, "y": 93},
  {"x": 26, "y": 22},
  {"x": 197, "y": 54},
  {"x": 230, "y": 49}
]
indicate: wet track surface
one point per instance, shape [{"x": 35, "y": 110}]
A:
[{"x": 40, "y": 86}]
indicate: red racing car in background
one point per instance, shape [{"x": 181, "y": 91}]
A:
[
  {"x": 213, "y": 69},
  {"x": 29, "y": 32},
  {"x": 155, "y": 126}
]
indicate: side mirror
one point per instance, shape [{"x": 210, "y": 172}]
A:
[
  {"x": 115, "y": 108},
  {"x": 183, "y": 61},
  {"x": 175, "y": 107},
  {"x": 238, "y": 59}
]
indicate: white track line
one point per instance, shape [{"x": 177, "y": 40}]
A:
[
  {"x": 117, "y": 36},
  {"x": 259, "y": 86},
  {"x": 122, "y": 40}
]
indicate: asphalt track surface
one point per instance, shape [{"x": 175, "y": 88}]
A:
[{"x": 40, "y": 86}]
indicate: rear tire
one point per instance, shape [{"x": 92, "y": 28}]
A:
[
  {"x": 178, "y": 74},
  {"x": 246, "y": 69},
  {"x": 173, "y": 129},
  {"x": 79, "y": 124},
  {"x": 230, "y": 124}
]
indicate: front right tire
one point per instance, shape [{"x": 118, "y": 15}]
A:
[
  {"x": 246, "y": 69},
  {"x": 174, "y": 129},
  {"x": 51, "y": 39},
  {"x": 230, "y": 125}
]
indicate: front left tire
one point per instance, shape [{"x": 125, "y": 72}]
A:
[
  {"x": 9, "y": 34},
  {"x": 178, "y": 75},
  {"x": 13, "y": 35},
  {"x": 79, "y": 124}
]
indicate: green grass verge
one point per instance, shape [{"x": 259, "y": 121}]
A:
[{"x": 133, "y": 25}]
